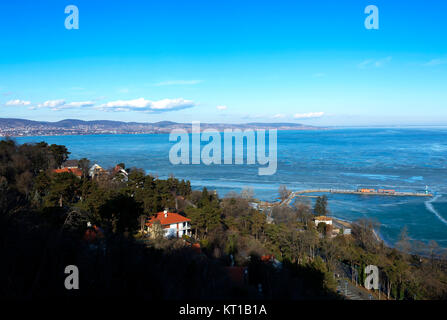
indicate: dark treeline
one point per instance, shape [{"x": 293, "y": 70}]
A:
[{"x": 44, "y": 217}]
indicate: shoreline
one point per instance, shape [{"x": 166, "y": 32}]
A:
[
  {"x": 348, "y": 224},
  {"x": 146, "y": 133},
  {"x": 230, "y": 126}
]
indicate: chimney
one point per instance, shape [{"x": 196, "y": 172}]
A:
[{"x": 166, "y": 213}]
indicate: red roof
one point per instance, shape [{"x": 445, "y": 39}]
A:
[
  {"x": 323, "y": 218},
  {"x": 171, "y": 218},
  {"x": 75, "y": 171},
  {"x": 268, "y": 257}
]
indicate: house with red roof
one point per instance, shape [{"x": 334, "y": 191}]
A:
[
  {"x": 120, "y": 173},
  {"x": 322, "y": 219},
  {"x": 170, "y": 223},
  {"x": 76, "y": 171}
]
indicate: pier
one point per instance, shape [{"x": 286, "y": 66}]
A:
[{"x": 364, "y": 191}]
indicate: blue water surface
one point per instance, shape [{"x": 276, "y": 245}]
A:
[{"x": 401, "y": 159}]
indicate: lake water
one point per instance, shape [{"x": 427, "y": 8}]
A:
[{"x": 401, "y": 159}]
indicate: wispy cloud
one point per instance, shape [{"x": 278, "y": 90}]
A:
[
  {"x": 221, "y": 108},
  {"x": 374, "y": 63},
  {"x": 140, "y": 104},
  {"x": 435, "y": 62},
  {"x": 178, "y": 82},
  {"x": 51, "y": 104},
  {"x": 308, "y": 115},
  {"x": 279, "y": 116},
  {"x": 17, "y": 103},
  {"x": 144, "y": 105},
  {"x": 80, "y": 104},
  {"x": 60, "y": 104}
]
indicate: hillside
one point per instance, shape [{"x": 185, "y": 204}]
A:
[{"x": 23, "y": 127}]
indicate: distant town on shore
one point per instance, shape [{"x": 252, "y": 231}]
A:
[{"x": 22, "y": 127}]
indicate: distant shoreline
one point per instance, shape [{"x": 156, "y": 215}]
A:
[
  {"x": 304, "y": 129},
  {"x": 138, "y": 133},
  {"x": 10, "y": 127}
]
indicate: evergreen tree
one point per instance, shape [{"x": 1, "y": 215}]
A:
[
  {"x": 320, "y": 208},
  {"x": 60, "y": 153}
]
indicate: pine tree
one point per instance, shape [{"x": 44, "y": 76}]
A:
[{"x": 320, "y": 208}]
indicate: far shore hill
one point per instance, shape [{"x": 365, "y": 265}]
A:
[{"x": 21, "y": 127}]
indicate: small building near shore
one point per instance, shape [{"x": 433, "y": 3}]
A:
[
  {"x": 95, "y": 171},
  {"x": 366, "y": 190},
  {"x": 70, "y": 164},
  {"x": 120, "y": 173}
]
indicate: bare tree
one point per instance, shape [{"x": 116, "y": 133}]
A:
[
  {"x": 84, "y": 165},
  {"x": 247, "y": 193},
  {"x": 232, "y": 195},
  {"x": 433, "y": 248},
  {"x": 142, "y": 220},
  {"x": 284, "y": 193},
  {"x": 404, "y": 241}
]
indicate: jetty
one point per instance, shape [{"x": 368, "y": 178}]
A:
[{"x": 360, "y": 191}]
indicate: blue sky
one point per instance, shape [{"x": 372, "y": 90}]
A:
[{"x": 311, "y": 62}]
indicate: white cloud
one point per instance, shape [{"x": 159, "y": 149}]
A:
[
  {"x": 171, "y": 104},
  {"x": 17, "y": 102},
  {"x": 142, "y": 104},
  {"x": 308, "y": 115},
  {"x": 178, "y": 82},
  {"x": 79, "y": 104},
  {"x": 61, "y": 104},
  {"x": 51, "y": 104},
  {"x": 221, "y": 108},
  {"x": 374, "y": 63}
]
